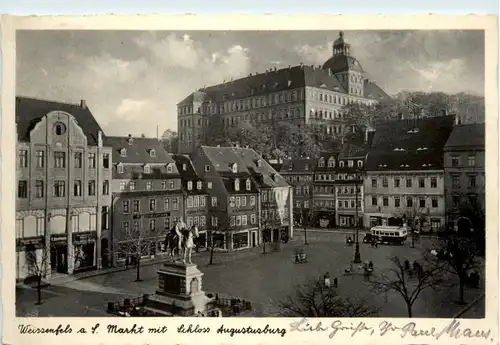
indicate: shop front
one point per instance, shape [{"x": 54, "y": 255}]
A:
[
  {"x": 59, "y": 253},
  {"x": 30, "y": 257},
  {"x": 84, "y": 251},
  {"x": 240, "y": 240}
]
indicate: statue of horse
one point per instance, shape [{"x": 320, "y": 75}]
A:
[{"x": 187, "y": 243}]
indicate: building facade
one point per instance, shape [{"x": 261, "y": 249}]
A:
[
  {"x": 147, "y": 196},
  {"x": 464, "y": 173},
  {"x": 405, "y": 172},
  {"x": 63, "y": 189},
  {"x": 243, "y": 188},
  {"x": 302, "y": 95},
  {"x": 324, "y": 190},
  {"x": 195, "y": 191}
]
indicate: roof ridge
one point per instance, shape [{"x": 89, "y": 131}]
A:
[{"x": 19, "y": 97}]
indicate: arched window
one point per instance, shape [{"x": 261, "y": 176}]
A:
[
  {"x": 248, "y": 184},
  {"x": 119, "y": 168},
  {"x": 321, "y": 162},
  {"x": 341, "y": 164},
  {"x": 237, "y": 185},
  {"x": 234, "y": 168},
  {"x": 59, "y": 128},
  {"x": 360, "y": 164},
  {"x": 331, "y": 162}
]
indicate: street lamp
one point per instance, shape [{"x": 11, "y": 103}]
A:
[{"x": 357, "y": 254}]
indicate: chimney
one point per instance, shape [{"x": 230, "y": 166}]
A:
[
  {"x": 129, "y": 139},
  {"x": 99, "y": 139},
  {"x": 366, "y": 135},
  {"x": 83, "y": 104},
  {"x": 301, "y": 65},
  {"x": 329, "y": 71}
]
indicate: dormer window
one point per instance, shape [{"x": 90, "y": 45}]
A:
[
  {"x": 413, "y": 130},
  {"x": 184, "y": 167},
  {"x": 290, "y": 167},
  {"x": 147, "y": 169},
  {"x": 209, "y": 185},
  {"x": 237, "y": 185},
  {"x": 350, "y": 164},
  {"x": 190, "y": 185},
  {"x": 123, "y": 153},
  {"x": 169, "y": 168},
  {"x": 248, "y": 184},
  {"x": 273, "y": 177},
  {"x": 331, "y": 162},
  {"x": 198, "y": 185},
  {"x": 119, "y": 168},
  {"x": 399, "y": 149},
  {"x": 306, "y": 167},
  {"x": 423, "y": 148},
  {"x": 360, "y": 164},
  {"x": 341, "y": 164},
  {"x": 259, "y": 163},
  {"x": 382, "y": 165},
  {"x": 234, "y": 168},
  {"x": 207, "y": 168},
  {"x": 321, "y": 162},
  {"x": 152, "y": 153}
]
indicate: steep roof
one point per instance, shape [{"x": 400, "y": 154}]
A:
[
  {"x": 248, "y": 162},
  {"x": 375, "y": 92},
  {"x": 138, "y": 150},
  {"x": 349, "y": 150},
  {"x": 188, "y": 174},
  {"x": 467, "y": 136},
  {"x": 298, "y": 165},
  {"x": 398, "y": 146},
  {"x": 29, "y": 111},
  {"x": 342, "y": 63}
]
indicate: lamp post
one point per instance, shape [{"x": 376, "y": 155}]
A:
[{"x": 357, "y": 254}]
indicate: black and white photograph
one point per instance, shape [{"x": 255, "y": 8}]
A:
[{"x": 322, "y": 173}]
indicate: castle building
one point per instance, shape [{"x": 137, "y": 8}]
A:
[
  {"x": 302, "y": 95},
  {"x": 249, "y": 201},
  {"x": 63, "y": 180},
  {"x": 405, "y": 172},
  {"x": 147, "y": 196},
  {"x": 464, "y": 173}
]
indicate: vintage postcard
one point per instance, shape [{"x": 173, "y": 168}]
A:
[{"x": 249, "y": 179}]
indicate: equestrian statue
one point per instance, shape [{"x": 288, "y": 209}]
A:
[{"x": 181, "y": 239}]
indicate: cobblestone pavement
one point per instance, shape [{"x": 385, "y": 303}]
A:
[{"x": 264, "y": 279}]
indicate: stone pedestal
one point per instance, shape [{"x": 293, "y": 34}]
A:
[{"x": 180, "y": 291}]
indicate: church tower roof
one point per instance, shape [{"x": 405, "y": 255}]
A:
[{"x": 342, "y": 60}]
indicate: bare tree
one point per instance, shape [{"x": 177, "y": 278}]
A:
[
  {"x": 135, "y": 244},
  {"x": 459, "y": 254},
  {"x": 407, "y": 280},
  {"x": 37, "y": 264},
  {"x": 315, "y": 299},
  {"x": 304, "y": 217}
]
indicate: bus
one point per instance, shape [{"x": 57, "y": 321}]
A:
[{"x": 386, "y": 234}]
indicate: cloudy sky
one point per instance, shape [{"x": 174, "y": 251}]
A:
[{"x": 133, "y": 80}]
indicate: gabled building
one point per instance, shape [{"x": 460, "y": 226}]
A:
[
  {"x": 243, "y": 188},
  {"x": 464, "y": 173},
  {"x": 147, "y": 193},
  {"x": 324, "y": 190},
  {"x": 195, "y": 191},
  {"x": 302, "y": 95},
  {"x": 63, "y": 179},
  {"x": 299, "y": 173},
  {"x": 405, "y": 172}
]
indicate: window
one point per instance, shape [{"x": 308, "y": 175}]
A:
[
  {"x": 152, "y": 153},
  {"x": 199, "y": 185},
  {"x": 238, "y": 220},
  {"x": 321, "y": 162},
  {"x": 171, "y": 185},
  {"x": 252, "y": 219},
  {"x": 421, "y": 203},
  {"x": 385, "y": 201},
  {"x": 149, "y": 185},
  {"x": 360, "y": 164},
  {"x": 189, "y": 202},
  {"x": 331, "y": 163},
  {"x": 374, "y": 201},
  {"x": 136, "y": 205},
  {"x": 434, "y": 202},
  {"x": 119, "y": 168},
  {"x": 396, "y": 182},
  {"x": 166, "y": 204},
  {"x": 374, "y": 182},
  {"x": 237, "y": 185},
  {"x": 455, "y": 181},
  {"x": 238, "y": 201},
  {"x": 78, "y": 159},
  {"x": 471, "y": 161},
  {"x": 125, "y": 206},
  {"x": 433, "y": 182},
  {"x": 59, "y": 159},
  {"x": 455, "y": 161},
  {"x": 152, "y": 224},
  {"x": 243, "y": 220},
  {"x": 92, "y": 160},
  {"x": 306, "y": 204},
  {"x": 397, "y": 202},
  {"x": 122, "y": 185},
  {"x": 214, "y": 221},
  {"x": 472, "y": 181},
  {"x": 207, "y": 168},
  {"x": 147, "y": 169},
  {"x": 408, "y": 183},
  {"x": 232, "y": 221},
  {"x": 209, "y": 185},
  {"x": 92, "y": 188},
  {"x": 23, "y": 158},
  {"x": 341, "y": 164},
  {"x": 252, "y": 201},
  {"x": 39, "y": 190},
  {"x": 123, "y": 153},
  {"x": 175, "y": 203},
  {"x": 248, "y": 184},
  {"x": 235, "y": 168},
  {"x": 190, "y": 185},
  {"x": 421, "y": 183},
  {"x": 166, "y": 223},
  {"x": 105, "y": 161},
  {"x": 59, "y": 189},
  {"x": 169, "y": 169},
  {"x": 131, "y": 185},
  {"x": 126, "y": 227},
  {"x": 202, "y": 201},
  {"x": 214, "y": 201},
  {"x": 350, "y": 164},
  {"x": 409, "y": 202},
  {"x": 77, "y": 188},
  {"x": 22, "y": 189},
  {"x": 135, "y": 225},
  {"x": 456, "y": 200},
  {"x": 152, "y": 205},
  {"x": 385, "y": 182},
  {"x": 196, "y": 201},
  {"x": 40, "y": 159}
]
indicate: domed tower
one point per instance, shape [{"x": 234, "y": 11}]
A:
[{"x": 347, "y": 69}]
